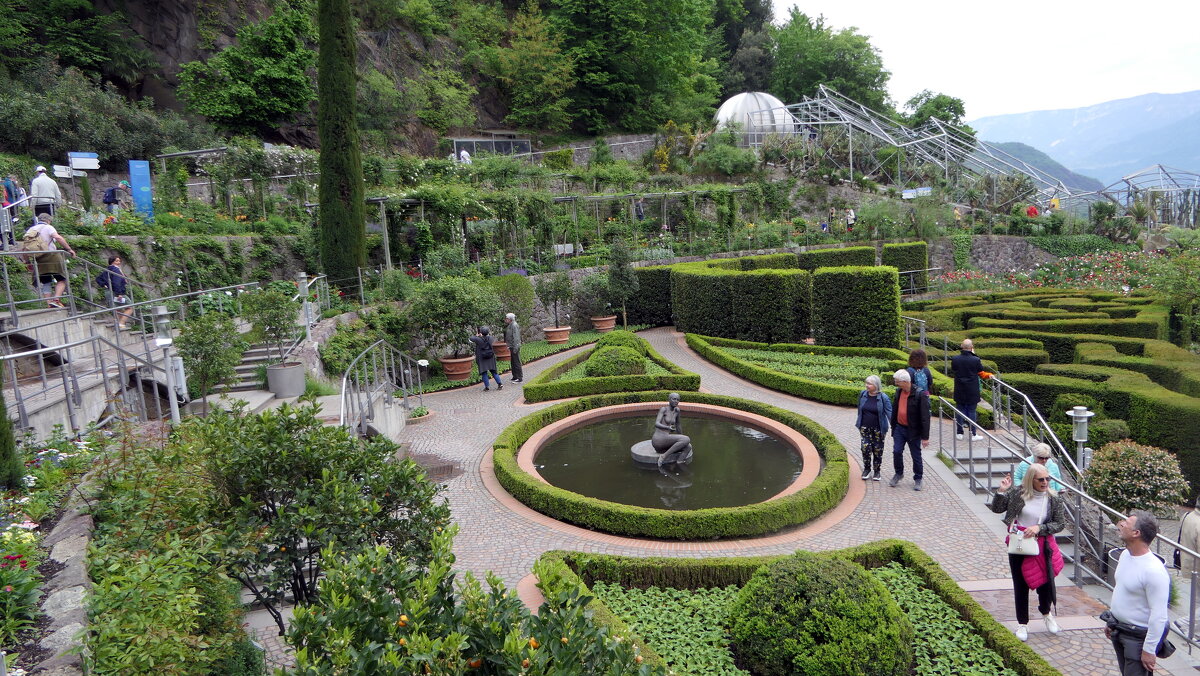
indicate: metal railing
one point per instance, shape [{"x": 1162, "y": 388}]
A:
[
  {"x": 912, "y": 324},
  {"x": 1093, "y": 537},
  {"x": 372, "y": 381},
  {"x": 920, "y": 281}
]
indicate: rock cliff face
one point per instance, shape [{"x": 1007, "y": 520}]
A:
[{"x": 173, "y": 32}]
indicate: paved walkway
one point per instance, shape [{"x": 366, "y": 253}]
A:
[{"x": 944, "y": 519}]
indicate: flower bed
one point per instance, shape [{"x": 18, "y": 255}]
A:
[
  {"x": 943, "y": 612},
  {"x": 826, "y": 491},
  {"x": 570, "y": 378}
]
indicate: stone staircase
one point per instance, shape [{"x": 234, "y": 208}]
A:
[{"x": 248, "y": 377}]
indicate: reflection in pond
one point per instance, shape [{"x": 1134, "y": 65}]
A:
[{"x": 734, "y": 465}]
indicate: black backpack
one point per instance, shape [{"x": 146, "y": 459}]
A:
[{"x": 110, "y": 196}]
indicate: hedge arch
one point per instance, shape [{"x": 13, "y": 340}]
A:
[{"x": 825, "y": 492}]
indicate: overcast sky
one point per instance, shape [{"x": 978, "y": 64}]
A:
[{"x": 1020, "y": 55}]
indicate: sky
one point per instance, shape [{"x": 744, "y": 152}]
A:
[{"x": 1020, "y": 56}]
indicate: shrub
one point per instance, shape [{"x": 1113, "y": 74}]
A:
[
  {"x": 444, "y": 312},
  {"x": 836, "y": 257},
  {"x": 273, "y": 316},
  {"x": 1064, "y": 246},
  {"x": 621, "y": 338},
  {"x": 764, "y": 305},
  {"x": 592, "y": 297},
  {"x": 550, "y": 385},
  {"x": 347, "y": 342},
  {"x": 1106, "y": 431},
  {"x": 394, "y": 285},
  {"x": 856, "y": 306},
  {"x": 615, "y": 361},
  {"x": 515, "y": 293},
  {"x": 211, "y": 349},
  {"x": 1126, "y": 476},
  {"x": 815, "y": 614},
  {"x": 908, "y": 256},
  {"x": 1015, "y": 358},
  {"x": 559, "y": 160},
  {"x": 1065, "y": 402}
]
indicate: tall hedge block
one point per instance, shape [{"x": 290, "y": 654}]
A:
[
  {"x": 652, "y": 302},
  {"x": 908, "y": 256},
  {"x": 779, "y": 261},
  {"x": 765, "y": 305},
  {"x": 858, "y": 306},
  {"x": 830, "y": 258}
]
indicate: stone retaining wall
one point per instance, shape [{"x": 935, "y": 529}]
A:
[{"x": 65, "y": 592}]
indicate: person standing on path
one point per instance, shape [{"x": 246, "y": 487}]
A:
[
  {"x": 910, "y": 427},
  {"x": 851, "y": 219},
  {"x": 1033, "y": 510},
  {"x": 874, "y": 412},
  {"x": 966, "y": 367},
  {"x": 485, "y": 357},
  {"x": 512, "y": 336},
  {"x": 1136, "y": 621},
  {"x": 44, "y": 193}
]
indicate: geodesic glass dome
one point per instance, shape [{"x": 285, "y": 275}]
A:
[{"x": 756, "y": 112}]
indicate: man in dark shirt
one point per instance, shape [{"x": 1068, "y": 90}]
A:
[
  {"x": 966, "y": 367},
  {"x": 910, "y": 427}
]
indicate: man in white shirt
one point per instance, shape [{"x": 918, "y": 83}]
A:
[
  {"x": 1140, "y": 598},
  {"x": 44, "y": 193}
]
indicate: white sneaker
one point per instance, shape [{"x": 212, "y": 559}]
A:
[
  {"x": 1023, "y": 632},
  {"x": 976, "y": 437},
  {"x": 1051, "y": 624},
  {"x": 958, "y": 436}
]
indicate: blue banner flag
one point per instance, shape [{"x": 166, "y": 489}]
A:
[{"x": 139, "y": 182}]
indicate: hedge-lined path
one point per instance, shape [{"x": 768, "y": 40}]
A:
[{"x": 506, "y": 538}]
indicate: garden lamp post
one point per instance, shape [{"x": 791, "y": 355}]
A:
[
  {"x": 164, "y": 339},
  {"x": 1079, "y": 430}
]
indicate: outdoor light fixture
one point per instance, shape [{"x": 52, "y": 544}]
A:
[
  {"x": 162, "y": 326},
  {"x": 1079, "y": 430}
]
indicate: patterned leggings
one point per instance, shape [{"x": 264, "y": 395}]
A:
[{"x": 872, "y": 448}]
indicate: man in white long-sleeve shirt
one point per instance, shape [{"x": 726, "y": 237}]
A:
[
  {"x": 1139, "y": 601},
  {"x": 44, "y": 193}
]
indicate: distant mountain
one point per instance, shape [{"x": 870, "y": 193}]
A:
[
  {"x": 1047, "y": 164},
  {"x": 1109, "y": 140}
]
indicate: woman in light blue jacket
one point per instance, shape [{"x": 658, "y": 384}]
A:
[{"x": 874, "y": 411}]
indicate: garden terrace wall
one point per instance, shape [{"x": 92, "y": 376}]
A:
[
  {"x": 581, "y": 570},
  {"x": 857, "y": 306},
  {"x": 825, "y": 492},
  {"x": 546, "y": 386}
]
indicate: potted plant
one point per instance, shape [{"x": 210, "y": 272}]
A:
[
  {"x": 445, "y": 313},
  {"x": 273, "y": 317},
  {"x": 553, "y": 290},
  {"x": 592, "y": 299},
  {"x": 515, "y": 293}
]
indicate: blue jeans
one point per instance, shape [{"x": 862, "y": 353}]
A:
[
  {"x": 906, "y": 437},
  {"x": 485, "y": 375},
  {"x": 968, "y": 410}
]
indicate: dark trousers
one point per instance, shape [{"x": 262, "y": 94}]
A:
[
  {"x": 1129, "y": 654},
  {"x": 968, "y": 410},
  {"x": 906, "y": 437},
  {"x": 1021, "y": 590},
  {"x": 43, "y": 209},
  {"x": 514, "y": 361}
]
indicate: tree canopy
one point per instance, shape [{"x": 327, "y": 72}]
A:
[
  {"x": 808, "y": 53},
  {"x": 927, "y": 105}
]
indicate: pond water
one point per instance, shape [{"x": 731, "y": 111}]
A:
[{"x": 734, "y": 465}]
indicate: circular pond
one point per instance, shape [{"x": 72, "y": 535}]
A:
[{"x": 735, "y": 464}]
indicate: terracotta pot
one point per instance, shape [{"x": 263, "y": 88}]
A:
[
  {"x": 604, "y": 324},
  {"x": 501, "y": 350},
  {"x": 557, "y": 335},
  {"x": 457, "y": 368}
]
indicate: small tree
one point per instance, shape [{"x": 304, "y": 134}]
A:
[
  {"x": 211, "y": 349},
  {"x": 592, "y": 296},
  {"x": 445, "y": 311},
  {"x": 515, "y": 293},
  {"x": 553, "y": 290},
  {"x": 272, "y": 316},
  {"x": 1177, "y": 278},
  {"x": 622, "y": 281},
  {"x": 12, "y": 470},
  {"x": 1127, "y": 476}
]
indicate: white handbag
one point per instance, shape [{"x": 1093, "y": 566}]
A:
[{"x": 1022, "y": 546}]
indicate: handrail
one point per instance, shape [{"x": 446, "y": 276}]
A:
[
  {"x": 908, "y": 322},
  {"x": 388, "y": 364},
  {"x": 103, "y": 268},
  {"x": 1030, "y": 407}
]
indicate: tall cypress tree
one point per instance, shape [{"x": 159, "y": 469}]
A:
[
  {"x": 12, "y": 470},
  {"x": 343, "y": 228}
]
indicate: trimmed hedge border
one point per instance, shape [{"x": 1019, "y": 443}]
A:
[
  {"x": 764, "y": 304},
  {"x": 1014, "y": 358},
  {"x": 546, "y": 386},
  {"x": 824, "y": 493},
  {"x": 836, "y": 257},
  {"x": 857, "y": 306},
  {"x": 581, "y": 569}
]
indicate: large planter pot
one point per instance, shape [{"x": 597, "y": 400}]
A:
[
  {"x": 457, "y": 368},
  {"x": 557, "y": 335},
  {"x": 501, "y": 350},
  {"x": 604, "y": 324},
  {"x": 286, "y": 380}
]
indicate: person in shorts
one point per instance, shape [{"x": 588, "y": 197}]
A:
[
  {"x": 113, "y": 281},
  {"x": 50, "y": 267}
]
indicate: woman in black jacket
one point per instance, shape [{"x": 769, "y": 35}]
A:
[{"x": 485, "y": 357}]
